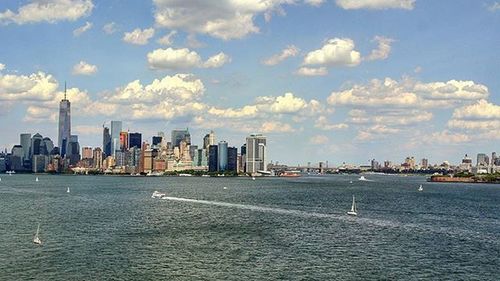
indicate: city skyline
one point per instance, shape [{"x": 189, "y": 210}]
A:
[{"x": 344, "y": 93}]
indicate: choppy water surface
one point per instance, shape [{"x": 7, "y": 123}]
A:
[{"x": 109, "y": 228}]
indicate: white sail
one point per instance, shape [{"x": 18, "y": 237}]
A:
[
  {"x": 36, "y": 179},
  {"x": 420, "y": 188},
  {"x": 353, "y": 211},
  {"x": 37, "y": 240},
  {"x": 67, "y": 190}
]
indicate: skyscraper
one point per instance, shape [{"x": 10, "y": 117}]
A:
[
  {"x": 134, "y": 140},
  {"x": 222, "y": 156},
  {"x": 256, "y": 153},
  {"x": 180, "y": 135},
  {"x": 209, "y": 140},
  {"x": 212, "y": 158},
  {"x": 106, "y": 141},
  {"x": 232, "y": 159},
  {"x": 73, "y": 152},
  {"x": 482, "y": 159},
  {"x": 123, "y": 141},
  {"x": 116, "y": 128},
  {"x": 64, "y": 124},
  {"x": 26, "y": 144}
]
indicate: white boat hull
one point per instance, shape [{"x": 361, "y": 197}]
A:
[{"x": 352, "y": 213}]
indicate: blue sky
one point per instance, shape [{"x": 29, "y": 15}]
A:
[{"x": 336, "y": 80}]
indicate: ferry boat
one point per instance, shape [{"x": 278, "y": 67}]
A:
[{"x": 290, "y": 174}]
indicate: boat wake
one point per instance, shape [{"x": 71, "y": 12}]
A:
[{"x": 450, "y": 231}]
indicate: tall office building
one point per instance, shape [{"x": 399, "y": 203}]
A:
[
  {"x": 180, "y": 135},
  {"x": 134, "y": 140},
  {"x": 256, "y": 153},
  {"x": 48, "y": 145},
  {"x": 232, "y": 159},
  {"x": 482, "y": 160},
  {"x": 64, "y": 124},
  {"x": 209, "y": 140},
  {"x": 37, "y": 145},
  {"x": 212, "y": 158},
  {"x": 106, "y": 141},
  {"x": 26, "y": 144},
  {"x": 97, "y": 158},
  {"x": 87, "y": 152},
  {"x": 73, "y": 153},
  {"x": 116, "y": 128},
  {"x": 157, "y": 140},
  {"x": 222, "y": 156},
  {"x": 123, "y": 141}
]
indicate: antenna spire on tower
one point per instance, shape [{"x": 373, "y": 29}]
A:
[{"x": 64, "y": 89}]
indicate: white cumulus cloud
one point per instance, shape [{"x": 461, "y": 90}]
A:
[
  {"x": 168, "y": 39},
  {"x": 79, "y": 31},
  {"x": 139, "y": 36},
  {"x": 383, "y": 50},
  {"x": 289, "y": 51},
  {"x": 84, "y": 68},
  {"x": 183, "y": 59},
  {"x": 335, "y": 52},
  {"x": 227, "y": 19},
  {"x": 48, "y": 11},
  {"x": 312, "y": 71}
]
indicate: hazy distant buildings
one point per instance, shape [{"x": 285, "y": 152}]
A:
[
  {"x": 256, "y": 153},
  {"x": 64, "y": 124}
]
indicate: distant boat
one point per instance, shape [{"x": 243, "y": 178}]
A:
[
  {"x": 10, "y": 172},
  {"x": 158, "y": 194},
  {"x": 420, "y": 188},
  {"x": 350, "y": 182},
  {"x": 253, "y": 178},
  {"x": 0, "y": 179},
  {"x": 67, "y": 190},
  {"x": 353, "y": 211},
  {"x": 36, "y": 179},
  {"x": 362, "y": 178},
  {"x": 37, "y": 240},
  {"x": 225, "y": 187},
  {"x": 185, "y": 175}
]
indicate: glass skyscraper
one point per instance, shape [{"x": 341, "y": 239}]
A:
[
  {"x": 222, "y": 156},
  {"x": 64, "y": 124},
  {"x": 116, "y": 128}
]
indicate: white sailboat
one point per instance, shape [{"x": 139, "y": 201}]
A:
[
  {"x": 36, "y": 179},
  {"x": 37, "y": 240},
  {"x": 420, "y": 188},
  {"x": 353, "y": 211},
  {"x": 362, "y": 178},
  {"x": 253, "y": 178},
  {"x": 67, "y": 190}
]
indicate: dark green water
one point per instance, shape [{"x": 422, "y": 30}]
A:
[{"x": 109, "y": 228}]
